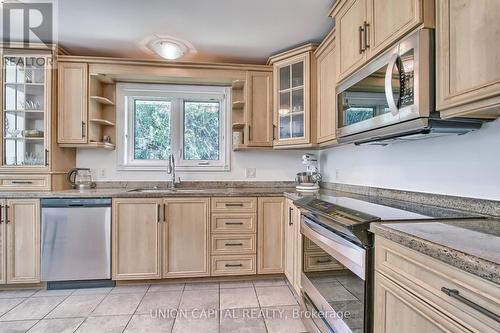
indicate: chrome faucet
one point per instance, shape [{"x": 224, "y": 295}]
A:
[{"x": 171, "y": 170}]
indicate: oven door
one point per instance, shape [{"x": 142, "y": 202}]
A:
[
  {"x": 393, "y": 88},
  {"x": 336, "y": 291}
]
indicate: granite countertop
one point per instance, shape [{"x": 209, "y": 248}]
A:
[
  {"x": 469, "y": 245},
  {"x": 159, "y": 193}
]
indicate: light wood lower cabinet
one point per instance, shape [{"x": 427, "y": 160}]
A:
[
  {"x": 137, "y": 241},
  {"x": 271, "y": 235},
  {"x": 409, "y": 296},
  {"x": 293, "y": 245},
  {"x": 186, "y": 237},
  {"x": 20, "y": 241}
]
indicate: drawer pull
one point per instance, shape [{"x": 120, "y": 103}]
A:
[
  {"x": 323, "y": 261},
  {"x": 234, "y": 265},
  {"x": 233, "y": 244},
  {"x": 234, "y": 223},
  {"x": 239, "y": 204},
  {"x": 21, "y": 182},
  {"x": 456, "y": 295}
]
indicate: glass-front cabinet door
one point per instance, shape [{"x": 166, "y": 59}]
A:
[
  {"x": 292, "y": 96},
  {"x": 26, "y": 110}
]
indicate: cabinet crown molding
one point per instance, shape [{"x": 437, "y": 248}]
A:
[{"x": 310, "y": 47}]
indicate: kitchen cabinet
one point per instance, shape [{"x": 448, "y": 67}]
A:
[
  {"x": 326, "y": 122},
  {"x": 136, "y": 239},
  {"x": 294, "y": 84},
  {"x": 260, "y": 109},
  {"x": 233, "y": 236},
  {"x": 20, "y": 241},
  {"x": 365, "y": 28},
  {"x": 408, "y": 294},
  {"x": 29, "y": 158},
  {"x": 467, "y": 58},
  {"x": 293, "y": 245},
  {"x": 186, "y": 237},
  {"x": 271, "y": 235},
  {"x": 86, "y": 107}
]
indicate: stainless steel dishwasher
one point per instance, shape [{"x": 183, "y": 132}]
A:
[{"x": 76, "y": 239}]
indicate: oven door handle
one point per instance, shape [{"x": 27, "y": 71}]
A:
[{"x": 348, "y": 254}]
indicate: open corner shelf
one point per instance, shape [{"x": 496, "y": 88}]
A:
[
  {"x": 100, "y": 145},
  {"x": 238, "y": 125},
  {"x": 102, "y": 78},
  {"x": 102, "y": 100},
  {"x": 238, "y": 84},
  {"x": 238, "y": 104},
  {"x": 103, "y": 122}
]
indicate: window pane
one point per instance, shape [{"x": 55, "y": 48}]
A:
[
  {"x": 152, "y": 130},
  {"x": 201, "y": 130}
]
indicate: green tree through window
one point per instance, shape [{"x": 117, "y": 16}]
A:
[
  {"x": 152, "y": 129},
  {"x": 201, "y": 130}
]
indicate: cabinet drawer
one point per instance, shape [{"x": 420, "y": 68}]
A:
[
  {"x": 425, "y": 276},
  {"x": 233, "y": 244},
  {"x": 232, "y": 223},
  {"x": 316, "y": 262},
  {"x": 309, "y": 246},
  {"x": 236, "y": 204},
  {"x": 25, "y": 182},
  {"x": 233, "y": 265}
]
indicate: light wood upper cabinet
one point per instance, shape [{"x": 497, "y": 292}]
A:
[
  {"x": 326, "y": 123},
  {"x": 22, "y": 233},
  {"x": 349, "y": 22},
  {"x": 468, "y": 58},
  {"x": 186, "y": 237},
  {"x": 136, "y": 243},
  {"x": 260, "y": 109},
  {"x": 389, "y": 20},
  {"x": 294, "y": 86},
  {"x": 72, "y": 102},
  {"x": 270, "y": 235},
  {"x": 365, "y": 28}
]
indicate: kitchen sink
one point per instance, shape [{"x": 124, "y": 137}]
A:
[{"x": 168, "y": 190}]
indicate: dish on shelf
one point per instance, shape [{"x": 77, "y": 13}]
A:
[{"x": 32, "y": 133}]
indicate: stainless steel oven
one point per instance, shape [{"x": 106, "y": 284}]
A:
[{"x": 339, "y": 298}]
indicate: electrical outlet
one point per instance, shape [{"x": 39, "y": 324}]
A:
[
  {"x": 337, "y": 174},
  {"x": 250, "y": 172},
  {"x": 101, "y": 173}
]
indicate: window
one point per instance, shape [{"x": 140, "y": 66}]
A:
[{"x": 190, "y": 122}]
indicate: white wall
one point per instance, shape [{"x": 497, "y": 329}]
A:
[
  {"x": 270, "y": 166},
  {"x": 467, "y": 165}
]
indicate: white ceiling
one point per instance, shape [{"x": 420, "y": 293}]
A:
[{"x": 220, "y": 30}]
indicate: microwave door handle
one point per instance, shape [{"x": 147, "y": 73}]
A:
[{"x": 393, "y": 105}]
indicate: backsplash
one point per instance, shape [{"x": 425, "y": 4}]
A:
[{"x": 465, "y": 166}]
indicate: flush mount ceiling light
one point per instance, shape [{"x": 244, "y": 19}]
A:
[{"x": 168, "y": 47}]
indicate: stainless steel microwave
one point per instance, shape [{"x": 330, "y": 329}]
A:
[{"x": 392, "y": 97}]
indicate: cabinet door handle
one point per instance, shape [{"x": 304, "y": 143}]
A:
[
  {"x": 22, "y": 182},
  {"x": 361, "y": 39},
  {"x": 165, "y": 212},
  {"x": 46, "y": 157},
  {"x": 83, "y": 129},
  {"x": 274, "y": 132},
  {"x": 234, "y": 223},
  {"x": 1, "y": 216},
  {"x": 234, "y": 204},
  {"x": 366, "y": 27},
  {"x": 234, "y": 265},
  {"x": 158, "y": 213},
  {"x": 290, "y": 210},
  {"x": 233, "y": 244},
  {"x": 7, "y": 214},
  {"x": 456, "y": 295},
  {"x": 249, "y": 133},
  {"x": 323, "y": 261}
]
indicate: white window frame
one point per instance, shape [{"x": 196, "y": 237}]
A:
[{"x": 127, "y": 93}]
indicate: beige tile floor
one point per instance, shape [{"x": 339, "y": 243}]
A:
[{"x": 241, "y": 306}]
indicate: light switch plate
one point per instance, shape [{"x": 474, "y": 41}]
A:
[{"x": 250, "y": 172}]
